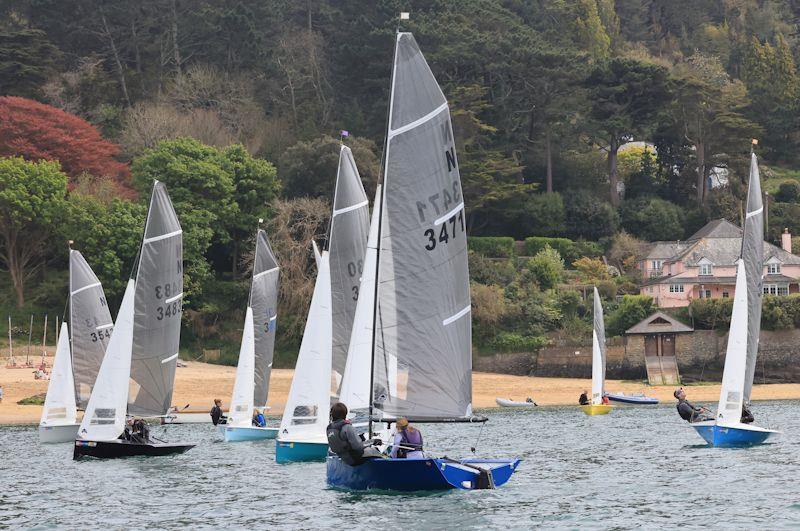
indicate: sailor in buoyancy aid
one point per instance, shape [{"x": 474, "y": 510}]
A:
[
  {"x": 407, "y": 441},
  {"x": 345, "y": 442}
]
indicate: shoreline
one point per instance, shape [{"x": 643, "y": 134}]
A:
[{"x": 197, "y": 384}]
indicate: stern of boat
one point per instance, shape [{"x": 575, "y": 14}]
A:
[
  {"x": 738, "y": 436},
  {"x": 597, "y": 409},
  {"x": 295, "y": 451}
]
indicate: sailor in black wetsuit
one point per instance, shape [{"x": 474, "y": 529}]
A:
[
  {"x": 216, "y": 413},
  {"x": 688, "y": 411},
  {"x": 584, "y": 398},
  {"x": 345, "y": 442}
]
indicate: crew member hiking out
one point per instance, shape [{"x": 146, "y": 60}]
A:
[
  {"x": 345, "y": 442},
  {"x": 688, "y": 411}
]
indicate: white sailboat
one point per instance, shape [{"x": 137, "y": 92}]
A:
[
  {"x": 727, "y": 429},
  {"x": 597, "y": 407},
  {"x": 251, "y": 388},
  {"x": 80, "y": 351},
  {"x": 137, "y": 375}
]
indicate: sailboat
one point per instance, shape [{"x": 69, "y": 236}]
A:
[
  {"x": 78, "y": 357},
  {"x": 321, "y": 361},
  {"x": 727, "y": 429},
  {"x": 597, "y": 407},
  {"x": 421, "y": 344},
  {"x": 251, "y": 389},
  {"x": 137, "y": 375}
]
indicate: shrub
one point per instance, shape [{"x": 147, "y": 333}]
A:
[
  {"x": 547, "y": 268},
  {"x": 544, "y": 215},
  {"x": 488, "y": 303},
  {"x": 591, "y": 269},
  {"x": 788, "y": 192},
  {"x": 515, "y": 342},
  {"x": 780, "y": 313},
  {"x": 490, "y": 271},
  {"x": 568, "y": 249},
  {"x": 631, "y": 310},
  {"x": 626, "y": 251},
  {"x": 589, "y": 216},
  {"x": 492, "y": 246},
  {"x": 711, "y": 314},
  {"x": 653, "y": 219}
]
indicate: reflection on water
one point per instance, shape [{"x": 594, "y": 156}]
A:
[{"x": 633, "y": 468}]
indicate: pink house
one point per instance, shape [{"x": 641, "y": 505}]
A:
[{"x": 704, "y": 266}]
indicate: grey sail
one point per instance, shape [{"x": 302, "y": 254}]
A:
[
  {"x": 157, "y": 309},
  {"x": 90, "y": 325},
  {"x": 264, "y": 302},
  {"x": 347, "y": 247},
  {"x": 422, "y": 353},
  {"x": 600, "y": 330},
  {"x": 753, "y": 258}
]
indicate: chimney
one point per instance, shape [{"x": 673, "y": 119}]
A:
[{"x": 786, "y": 240}]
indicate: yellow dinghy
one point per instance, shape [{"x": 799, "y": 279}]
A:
[{"x": 597, "y": 409}]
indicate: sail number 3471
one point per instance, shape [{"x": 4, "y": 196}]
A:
[{"x": 456, "y": 223}]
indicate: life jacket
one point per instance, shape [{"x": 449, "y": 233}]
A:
[
  {"x": 340, "y": 445},
  {"x": 686, "y": 412},
  {"x": 411, "y": 440}
]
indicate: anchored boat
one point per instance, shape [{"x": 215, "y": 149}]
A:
[
  {"x": 143, "y": 347},
  {"x": 90, "y": 327},
  {"x": 251, "y": 389},
  {"x": 727, "y": 429},
  {"x": 419, "y": 335},
  {"x": 597, "y": 407},
  {"x": 632, "y": 400}
]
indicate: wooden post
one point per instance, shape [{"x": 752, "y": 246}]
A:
[
  {"x": 10, "y": 343},
  {"x": 44, "y": 338}
]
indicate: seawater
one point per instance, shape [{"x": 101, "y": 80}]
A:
[{"x": 635, "y": 468}]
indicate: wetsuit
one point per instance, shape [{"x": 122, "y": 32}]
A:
[
  {"x": 689, "y": 412},
  {"x": 345, "y": 442},
  {"x": 216, "y": 415},
  {"x": 583, "y": 400}
]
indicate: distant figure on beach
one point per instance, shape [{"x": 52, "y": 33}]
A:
[
  {"x": 345, "y": 442},
  {"x": 258, "y": 419},
  {"x": 688, "y": 411},
  {"x": 216, "y": 413},
  {"x": 1, "y": 394},
  {"x": 407, "y": 441},
  {"x": 584, "y": 398}
]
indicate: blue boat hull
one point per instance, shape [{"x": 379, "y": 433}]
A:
[
  {"x": 292, "y": 451},
  {"x": 732, "y": 437},
  {"x": 633, "y": 400},
  {"x": 417, "y": 474},
  {"x": 234, "y": 434}
]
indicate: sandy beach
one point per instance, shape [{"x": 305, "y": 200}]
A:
[{"x": 197, "y": 384}]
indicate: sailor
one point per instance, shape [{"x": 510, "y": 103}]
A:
[
  {"x": 258, "y": 419},
  {"x": 584, "y": 398},
  {"x": 345, "y": 442},
  {"x": 216, "y": 413},
  {"x": 747, "y": 416},
  {"x": 126, "y": 433},
  {"x": 529, "y": 400},
  {"x": 688, "y": 411},
  {"x": 140, "y": 432},
  {"x": 407, "y": 441}
]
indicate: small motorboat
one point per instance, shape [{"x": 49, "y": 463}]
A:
[
  {"x": 507, "y": 402},
  {"x": 633, "y": 399}
]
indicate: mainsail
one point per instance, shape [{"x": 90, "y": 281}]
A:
[
  {"x": 158, "y": 307},
  {"x": 348, "y": 241},
  {"x": 423, "y": 318},
  {"x": 306, "y": 414},
  {"x": 90, "y": 324},
  {"x": 264, "y": 305},
  {"x": 742, "y": 349},
  {"x": 241, "y": 410},
  {"x": 598, "y": 351},
  {"x": 59, "y": 404}
]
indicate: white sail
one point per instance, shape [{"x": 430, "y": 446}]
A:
[
  {"x": 731, "y": 396},
  {"x": 241, "y": 410},
  {"x": 598, "y": 351},
  {"x": 104, "y": 419},
  {"x": 306, "y": 414},
  {"x": 355, "y": 382},
  {"x": 59, "y": 404}
]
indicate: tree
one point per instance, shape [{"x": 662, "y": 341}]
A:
[
  {"x": 653, "y": 219},
  {"x": 27, "y": 57},
  {"x": 589, "y": 216},
  {"x": 626, "y": 96},
  {"x": 547, "y": 268},
  {"x": 31, "y": 204},
  {"x": 631, "y": 310},
  {"x": 36, "y": 131}
]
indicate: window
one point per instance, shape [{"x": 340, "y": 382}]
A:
[
  {"x": 676, "y": 288},
  {"x": 725, "y": 295},
  {"x": 776, "y": 289},
  {"x": 705, "y": 293},
  {"x": 706, "y": 270},
  {"x": 773, "y": 269},
  {"x": 656, "y": 264}
]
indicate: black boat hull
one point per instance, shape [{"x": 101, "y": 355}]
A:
[{"x": 120, "y": 448}]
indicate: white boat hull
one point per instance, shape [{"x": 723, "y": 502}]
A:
[
  {"x": 252, "y": 433},
  {"x": 58, "y": 434},
  {"x": 502, "y": 402}
]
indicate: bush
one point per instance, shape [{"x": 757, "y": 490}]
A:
[
  {"x": 515, "y": 342},
  {"x": 631, "y": 310},
  {"x": 547, "y": 268},
  {"x": 490, "y": 271},
  {"x": 653, "y": 219},
  {"x": 780, "y": 313},
  {"x": 711, "y": 314},
  {"x": 544, "y": 215},
  {"x": 492, "y": 246},
  {"x": 488, "y": 304},
  {"x": 589, "y": 217},
  {"x": 591, "y": 269},
  {"x": 788, "y": 192},
  {"x": 568, "y": 249}
]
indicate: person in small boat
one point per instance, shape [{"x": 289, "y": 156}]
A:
[
  {"x": 217, "y": 417},
  {"x": 747, "y": 416},
  {"x": 345, "y": 442},
  {"x": 605, "y": 399},
  {"x": 584, "y": 398},
  {"x": 140, "y": 432},
  {"x": 688, "y": 411},
  {"x": 407, "y": 441},
  {"x": 258, "y": 419}
]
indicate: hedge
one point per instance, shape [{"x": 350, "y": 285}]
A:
[
  {"x": 568, "y": 249},
  {"x": 492, "y": 246}
]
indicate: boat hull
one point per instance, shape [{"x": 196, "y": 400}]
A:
[
  {"x": 502, "y": 402},
  {"x": 419, "y": 474},
  {"x": 251, "y": 433},
  {"x": 597, "y": 409},
  {"x": 58, "y": 434},
  {"x": 732, "y": 436},
  {"x": 119, "y": 448},
  {"x": 633, "y": 400},
  {"x": 295, "y": 451}
]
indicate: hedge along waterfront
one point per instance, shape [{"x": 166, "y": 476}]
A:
[{"x": 568, "y": 249}]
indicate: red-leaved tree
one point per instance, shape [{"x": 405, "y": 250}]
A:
[{"x": 36, "y": 131}]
